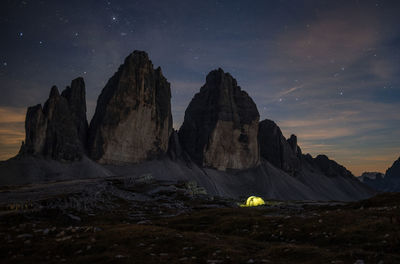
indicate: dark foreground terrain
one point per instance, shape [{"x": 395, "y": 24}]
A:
[{"x": 179, "y": 224}]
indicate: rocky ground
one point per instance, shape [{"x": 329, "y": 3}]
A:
[{"x": 143, "y": 221}]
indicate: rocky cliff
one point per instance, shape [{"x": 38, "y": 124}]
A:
[
  {"x": 283, "y": 154},
  {"x": 58, "y": 130},
  {"x": 286, "y": 155},
  {"x": 76, "y": 97},
  {"x": 133, "y": 120},
  {"x": 221, "y": 125}
]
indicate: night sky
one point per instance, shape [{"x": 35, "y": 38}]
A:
[{"x": 327, "y": 71}]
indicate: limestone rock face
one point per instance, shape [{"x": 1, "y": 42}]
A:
[
  {"x": 133, "y": 120},
  {"x": 52, "y": 131},
  {"x": 282, "y": 153},
  {"x": 76, "y": 97},
  {"x": 35, "y": 130},
  {"x": 221, "y": 125}
]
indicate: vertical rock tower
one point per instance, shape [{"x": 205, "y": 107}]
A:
[
  {"x": 133, "y": 120},
  {"x": 75, "y": 95},
  {"x": 221, "y": 125},
  {"x": 58, "y": 130}
]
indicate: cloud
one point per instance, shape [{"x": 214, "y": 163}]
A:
[
  {"x": 291, "y": 90},
  {"x": 12, "y": 114},
  {"x": 332, "y": 37},
  {"x": 383, "y": 69},
  {"x": 11, "y": 131},
  {"x": 11, "y": 137}
]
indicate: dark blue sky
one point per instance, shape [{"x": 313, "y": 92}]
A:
[{"x": 327, "y": 71}]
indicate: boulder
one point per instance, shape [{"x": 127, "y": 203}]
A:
[
  {"x": 221, "y": 125},
  {"x": 133, "y": 120}
]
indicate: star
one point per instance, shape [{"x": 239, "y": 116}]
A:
[
  {"x": 20, "y": 34},
  {"x": 114, "y": 18},
  {"x": 5, "y": 64}
]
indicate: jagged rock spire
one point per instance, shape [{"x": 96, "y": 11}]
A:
[{"x": 53, "y": 131}]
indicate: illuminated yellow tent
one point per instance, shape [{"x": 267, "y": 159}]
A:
[{"x": 253, "y": 201}]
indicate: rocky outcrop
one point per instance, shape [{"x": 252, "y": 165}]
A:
[
  {"x": 133, "y": 120},
  {"x": 283, "y": 154},
  {"x": 54, "y": 130},
  {"x": 221, "y": 125}
]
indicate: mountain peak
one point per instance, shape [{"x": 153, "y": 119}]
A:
[
  {"x": 133, "y": 120},
  {"x": 54, "y": 92},
  {"x": 221, "y": 124}
]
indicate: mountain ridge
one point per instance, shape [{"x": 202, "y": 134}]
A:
[{"x": 221, "y": 144}]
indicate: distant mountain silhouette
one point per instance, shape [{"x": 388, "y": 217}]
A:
[{"x": 388, "y": 182}]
